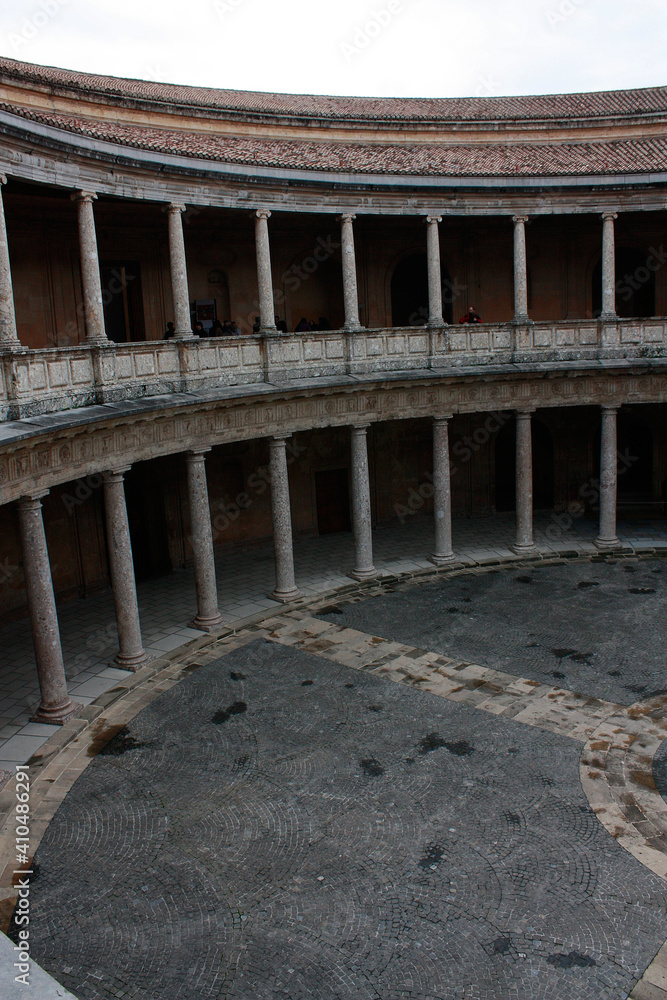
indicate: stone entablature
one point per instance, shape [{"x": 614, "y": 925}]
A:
[
  {"x": 50, "y": 452},
  {"x": 34, "y": 382}
]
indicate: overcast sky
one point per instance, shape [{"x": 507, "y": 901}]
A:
[{"x": 411, "y": 48}]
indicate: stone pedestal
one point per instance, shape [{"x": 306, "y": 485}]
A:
[
  {"x": 442, "y": 494},
  {"x": 56, "y": 706},
  {"x": 93, "y": 308},
  {"x": 208, "y": 615},
  {"x": 607, "y": 539},
  {"x": 267, "y": 319},
  {"x": 179, "y": 273},
  {"x": 350, "y": 293},
  {"x": 520, "y": 271},
  {"x": 435, "y": 317},
  {"x": 9, "y": 340},
  {"x": 608, "y": 314},
  {"x": 131, "y": 654},
  {"x": 361, "y": 507},
  {"x": 524, "y": 485},
  {"x": 286, "y": 589}
]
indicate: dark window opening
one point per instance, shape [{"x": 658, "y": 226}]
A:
[{"x": 123, "y": 302}]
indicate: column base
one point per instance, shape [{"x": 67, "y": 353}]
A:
[
  {"x": 98, "y": 341},
  {"x": 57, "y": 716},
  {"x": 11, "y": 346},
  {"x": 435, "y": 324},
  {"x": 285, "y": 596},
  {"x": 353, "y": 328},
  {"x": 442, "y": 560},
  {"x": 523, "y": 321},
  {"x": 131, "y": 663},
  {"x": 208, "y": 623},
  {"x": 364, "y": 574},
  {"x": 607, "y": 543},
  {"x": 608, "y": 318},
  {"x": 525, "y": 549}
]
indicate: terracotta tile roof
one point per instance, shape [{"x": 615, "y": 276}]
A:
[
  {"x": 431, "y": 159},
  {"x": 604, "y": 104}
]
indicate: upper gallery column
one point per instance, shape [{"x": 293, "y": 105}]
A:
[
  {"x": 361, "y": 506},
  {"x": 435, "y": 317},
  {"x": 179, "y": 273},
  {"x": 520, "y": 270},
  {"x": 201, "y": 537},
  {"x": 608, "y": 267},
  {"x": 286, "y": 588},
  {"x": 608, "y": 539},
  {"x": 267, "y": 318},
  {"x": 442, "y": 492},
  {"x": 93, "y": 309},
  {"x": 56, "y": 706},
  {"x": 350, "y": 293},
  {"x": 8, "y": 336},
  {"x": 524, "y": 483}
]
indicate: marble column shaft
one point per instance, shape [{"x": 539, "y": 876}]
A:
[
  {"x": 93, "y": 308},
  {"x": 350, "y": 291},
  {"x": 361, "y": 506},
  {"x": 131, "y": 654},
  {"x": 608, "y": 267},
  {"x": 8, "y": 335},
  {"x": 520, "y": 270},
  {"x": 283, "y": 545},
  {"x": 435, "y": 317},
  {"x": 442, "y": 493},
  {"x": 201, "y": 537},
  {"x": 524, "y": 483},
  {"x": 180, "y": 293},
  {"x": 608, "y": 539},
  {"x": 267, "y": 319},
  {"x": 56, "y": 706}
]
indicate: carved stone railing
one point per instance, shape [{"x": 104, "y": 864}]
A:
[{"x": 34, "y": 382}]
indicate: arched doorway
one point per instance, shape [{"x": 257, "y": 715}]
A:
[
  {"x": 543, "y": 467},
  {"x": 409, "y": 292},
  {"x": 635, "y": 285}
]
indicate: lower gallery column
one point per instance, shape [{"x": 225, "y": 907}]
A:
[
  {"x": 361, "y": 507},
  {"x": 524, "y": 484},
  {"x": 131, "y": 654},
  {"x": 607, "y": 539},
  {"x": 442, "y": 493},
  {"x": 56, "y": 706},
  {"x": 286, "y": 588},
  {"x": 201, "y": 536}
]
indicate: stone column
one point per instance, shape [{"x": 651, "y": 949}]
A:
[
  {"x": 286, "y": 588},
  {"x": 442, "y": 493},
  {"x": 524, "y": 484},
  {"x": 607, "y": 539},
  {"x": 131, "y": 654},
  {"x": 350, "y": 293},
  {"x": 208, "y": 615},
  {"x": 8, "y": 336},
  {"x": 56, "y": 706},
  {"x": 179, "y": 273},
  {"x": 435, "y": 317},
  {"x": 93, "y": 309},
  {"x": 361, "y": 507},
  {"x": 608, "y": 268},
  {"x": 267, "y": 318},
  {"x": 520, "y": 270}
]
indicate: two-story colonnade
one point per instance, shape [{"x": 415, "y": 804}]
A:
[{"x": 130, "y": 205}]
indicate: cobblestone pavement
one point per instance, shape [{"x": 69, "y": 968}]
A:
[
  {"x": 279, "y": 824},
  {"x": 575, "y": 626}
]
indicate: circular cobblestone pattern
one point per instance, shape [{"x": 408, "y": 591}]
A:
[
  {"x": 278, "y": 825},
  {"x": 593, "y": 627}
]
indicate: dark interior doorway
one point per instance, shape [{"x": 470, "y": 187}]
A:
[
  {"x": 409, "y": 292},
  {"x": 635, "y": 284},
  {"x": 543, "y": 467},
  {"x": 148, "y": 522},
  {"x": 332, "y": 498},
  {"x": 123, "y": 302}
]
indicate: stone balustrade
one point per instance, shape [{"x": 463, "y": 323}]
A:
[{"x": 34, "y": 382}]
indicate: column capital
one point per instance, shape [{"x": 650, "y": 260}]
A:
[
  {"x": 520, "y": 218},
  {"x": 610, "y": 407},
  {"x": 609, "y": 215},
  {"x": 346, "y": 217},
  {"x": 173, "y": 207},
  {"x": 360, "y": 428},
  {"x": 524, "y": 412},
  {"x": 279, "y": 440},
  {"x": 32, "y": 501},
  {"x": 442, "y": 418},
  {"x": 3, "y": 178},
  {"x": 193, "y": 454},
  {"x": 434, "y": 218},
  {"x": 88, "y": 196},
  {"x": 115, "y": 475},
  {"x": 262, "y": 213}
]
